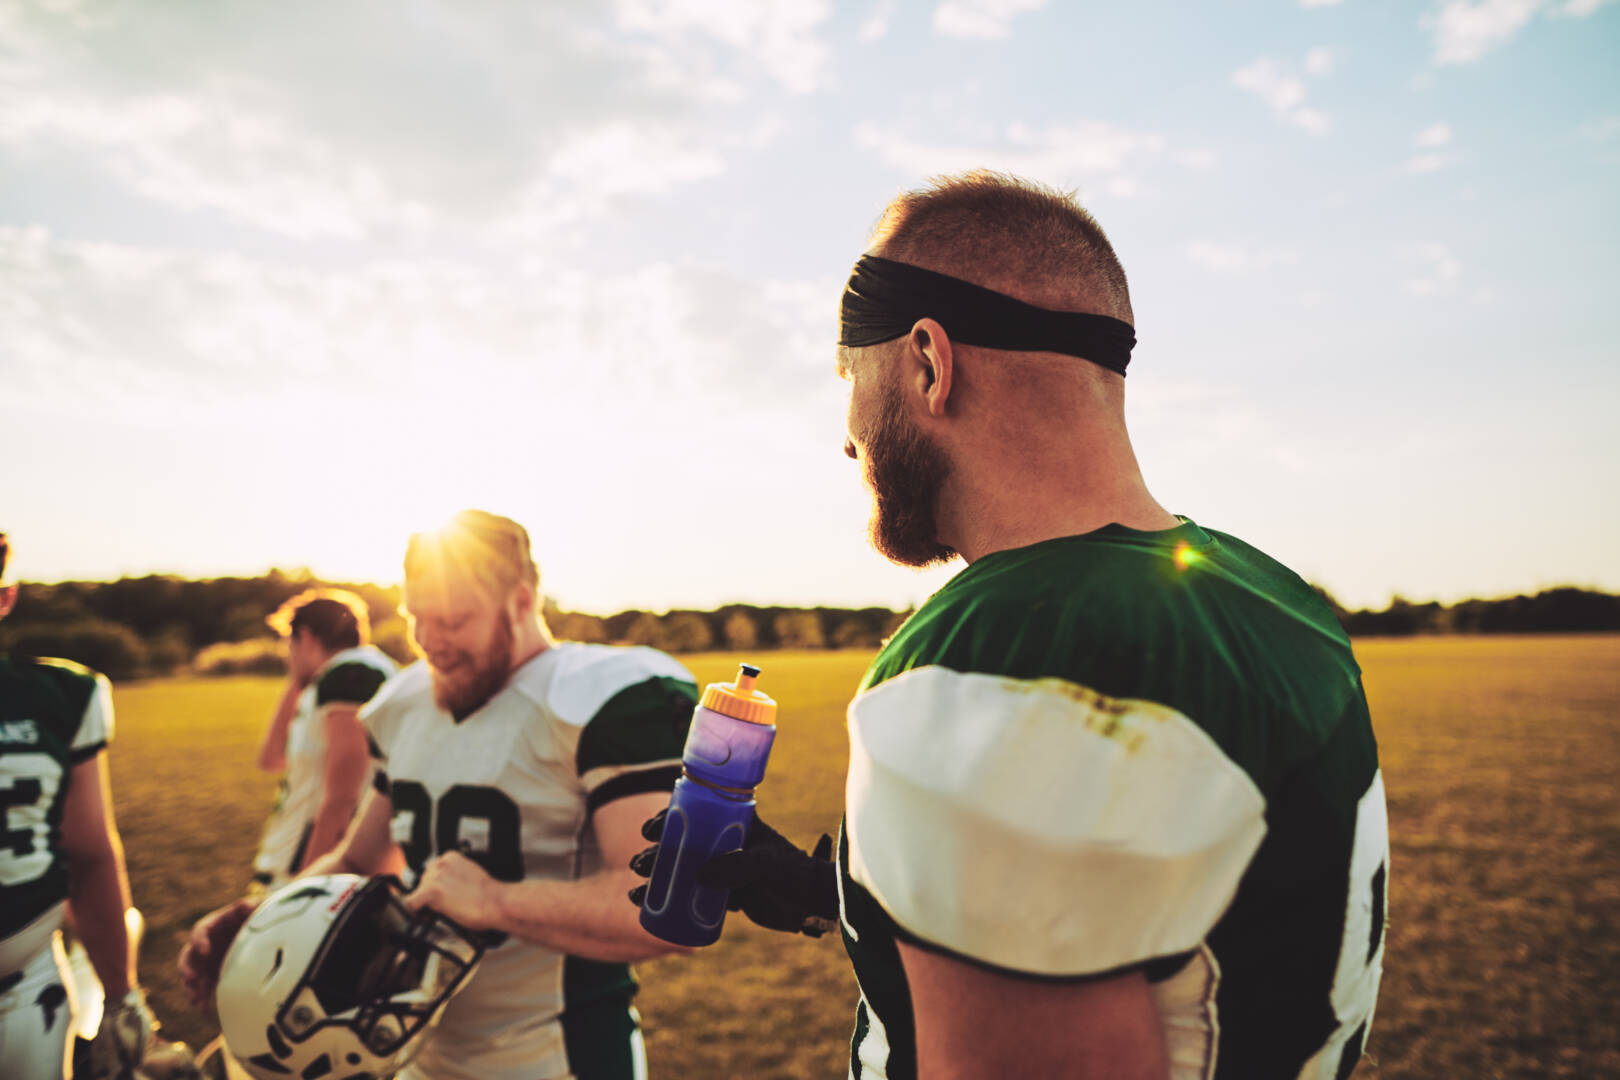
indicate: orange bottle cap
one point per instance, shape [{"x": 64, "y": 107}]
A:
[{"x": 739, "y": 699}]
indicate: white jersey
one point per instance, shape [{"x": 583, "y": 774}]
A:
[
  {"x": 350, "y": 677},
  {"x": 514, "y": 784}
]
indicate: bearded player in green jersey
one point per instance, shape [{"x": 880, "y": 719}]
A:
[{"x": 1114, "y": 806}]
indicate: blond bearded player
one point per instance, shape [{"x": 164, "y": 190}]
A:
[{"x": 539, "y": 759}]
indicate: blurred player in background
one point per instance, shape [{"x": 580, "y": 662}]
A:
[
  {"x": 1114, "y": 805},
  {"x": 513, "y": 774},
  {"x": 59, "y": 854},
  {"x": 315, "y": 737}
]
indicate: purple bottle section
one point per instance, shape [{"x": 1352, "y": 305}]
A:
[{"x": 709, "y": 814}]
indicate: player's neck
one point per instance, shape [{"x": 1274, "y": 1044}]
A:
[
  {"x": 530, "y": 640},
  {"x": 998, "y": 507}
]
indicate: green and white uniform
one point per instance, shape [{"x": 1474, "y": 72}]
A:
[
  {"x": 54, "y": 715},
  {"x": 1117, "y": 751},
  {"x": 350, "y": 677},
  {"x": 517, "y": 781}
]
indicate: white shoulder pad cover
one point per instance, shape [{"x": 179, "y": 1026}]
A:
[
  {"x": 97, "y": 726},
  {"x": 381, "y": 714},
  {"x": 1038, "y": 826},
  {"x": 584, "y": 677}
]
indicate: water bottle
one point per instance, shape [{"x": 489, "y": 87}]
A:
[{"x": 713, "y": 802}]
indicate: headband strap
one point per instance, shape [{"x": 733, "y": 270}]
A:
[{"x": 884, "y": 299}]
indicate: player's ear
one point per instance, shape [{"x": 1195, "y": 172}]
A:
[
  {"x": 8, "y": 599},
  {"x": 522, "y": 602},
  {"x": 930, "y": 365}
]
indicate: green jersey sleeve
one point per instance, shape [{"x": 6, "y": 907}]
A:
[{"x": 351, "y": 684}]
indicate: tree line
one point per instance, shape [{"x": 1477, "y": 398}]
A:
[{"x": 163, "y": 625}]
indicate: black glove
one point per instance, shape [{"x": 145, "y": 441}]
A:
[{"x": 774, "y": 883}]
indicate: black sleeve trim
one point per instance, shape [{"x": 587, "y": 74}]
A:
[
  {"x": 379, "y": 780},
  {"x": 79, "y": 755},
  {"x": 633, "y": 783},
  {"x": 350, "y": 684},
  {"x": 1156, "y": 968},
  {"x": 373, "y": 749}
]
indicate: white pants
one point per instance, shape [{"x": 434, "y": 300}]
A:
[{"x": 36, "y": 1018}]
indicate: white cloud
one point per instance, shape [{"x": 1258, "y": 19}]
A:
[
  {"x": 124, "y": 331},
  {"x": 1430, "y": 157},
  {"x": 1267, "y": 80},
  {"x": 779, "y": 33},
  {"x": 1312, "y": 120},
  {"x": 1464, "y": 31},
  {"x": 1093, "y": 154},
  {"x": 1435, "y": 270},
  {"x": 1428, "y": 162},
  {"x": 1432, "y": 136},
  {"x": 1198, "y": 158},
  {"x": 876, "y": 25},
  {"x": 1580, "y": 9},
  {"x": 1318, "y": 3},
  {"x": 1237, "y": 257},
  {"x": 1319, "y": 61},
  {"x": 624, "y": 159},
  {"x": 1602, "y": 129},
  {"x": 981, "y": 18},
  {"x": 471, "y": 126}
]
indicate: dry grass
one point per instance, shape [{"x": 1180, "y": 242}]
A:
[{"x": 1499, "y": 755}]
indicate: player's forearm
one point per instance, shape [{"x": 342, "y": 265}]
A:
[
  {"x": 326, "y": 831},
  {"x": 98, "y": 893},
  {"x": 273, "y": 748},
  {"x": 587, "y": 918}
]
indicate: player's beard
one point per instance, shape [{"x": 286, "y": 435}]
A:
[
  {"x": 905, "y": 471},
  {"x": 462, "y": 689}
]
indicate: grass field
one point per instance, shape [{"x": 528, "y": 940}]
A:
[{"x": 1500, "y": 756}]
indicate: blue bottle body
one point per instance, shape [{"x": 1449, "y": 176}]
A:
[{"x": 709, "y": 813}]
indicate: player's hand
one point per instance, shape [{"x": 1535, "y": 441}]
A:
[
  {"x": 120, "y": 1043},
  {"x": 455, "y": 886},
  {"x": 205, "y": 950},
  {"x": 169, "y": 1061},
  {"x": 773, "y": 882}
]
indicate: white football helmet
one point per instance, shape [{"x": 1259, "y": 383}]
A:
[{"x": 333, "y": 977}]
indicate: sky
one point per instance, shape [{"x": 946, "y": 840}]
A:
[{"x": 280, "y": 283}]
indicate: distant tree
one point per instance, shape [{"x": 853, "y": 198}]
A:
[
  {"x": 111, "y": 649},
  {"x": 741, "y": 631},
  {"x": 393, "y": 636},
  {"x": 800, "y": 630},
  {"x": 257, "y": 656},
  {"x": 686, "y": 631},
  {"x": 853, "y": 632},
  {"x": 645, "y": 629},
  {"x": 575, "y": 626},
  {"x": 618, "y": 626}
]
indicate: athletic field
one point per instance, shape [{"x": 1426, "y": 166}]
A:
[{"x": 1501, "y": 756}]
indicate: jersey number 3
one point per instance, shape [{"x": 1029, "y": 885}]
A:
[{"x": 28, "y": 785}]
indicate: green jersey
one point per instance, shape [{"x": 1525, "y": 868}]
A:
[
  {"x": 53, "y": 715},
  {"x": 1124, "y": 751}
]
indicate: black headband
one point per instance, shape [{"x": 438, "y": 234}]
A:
[{"x": 884, "y": 299}]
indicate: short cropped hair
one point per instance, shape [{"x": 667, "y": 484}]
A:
[
  {"x": 336, "y": 618},
  {"x": 1009, "y": 234},
  {"x": 492, "y": 550}
]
